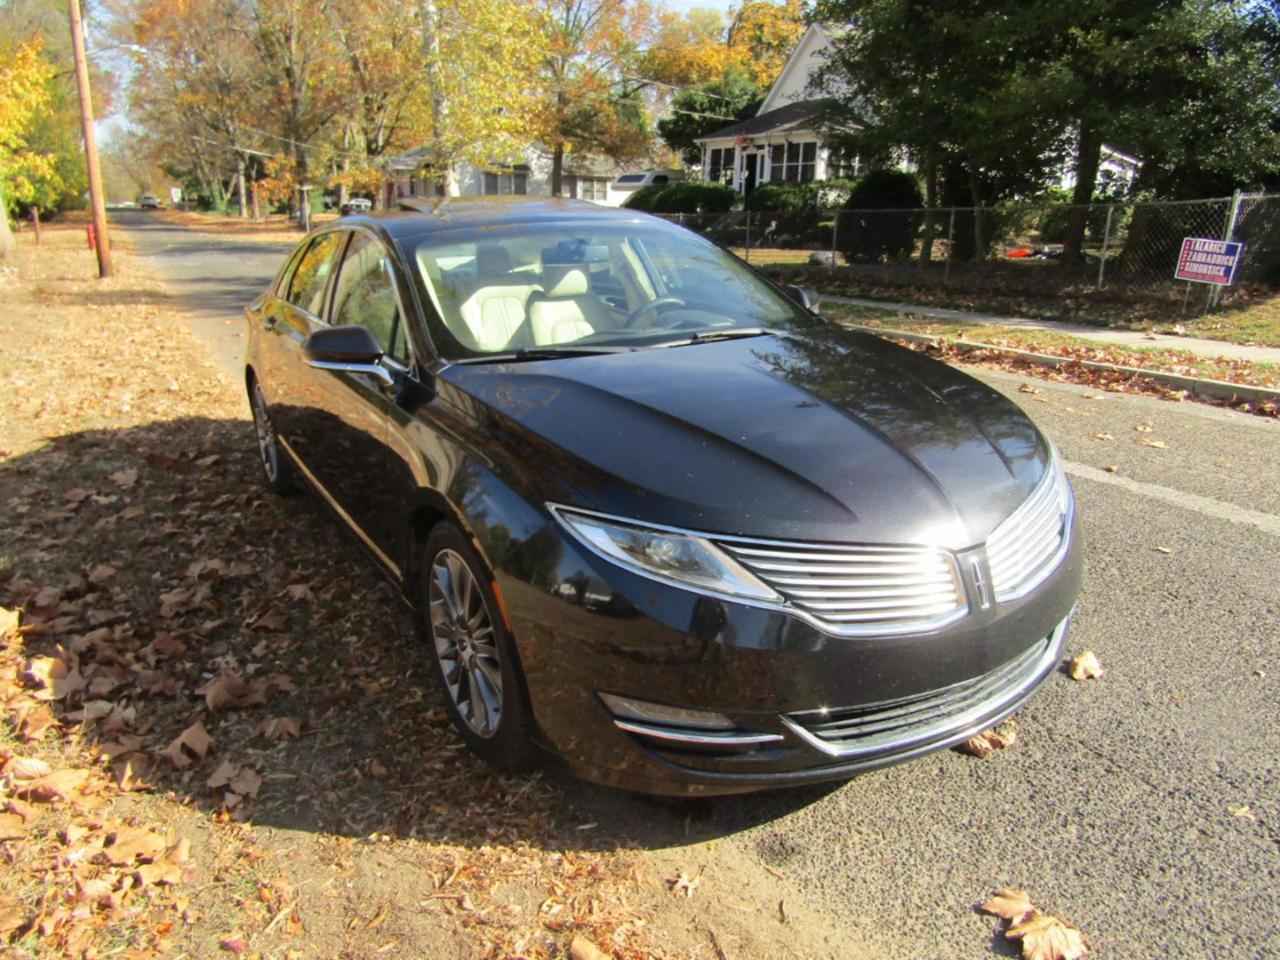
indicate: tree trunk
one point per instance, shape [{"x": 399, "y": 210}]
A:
[
  {"x": 930, "y": 211},
  {"x": 7, "y": 244},
  {"x": 241, "y": 204},
  {"x": 975, "y": 192},
  {"x": 557, "y": 169},
  {"x": 1088, "y": 159},
  {"x": 442, "y": 166}
]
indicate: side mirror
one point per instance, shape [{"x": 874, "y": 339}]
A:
[
  {"x": 804, "y": 296},
  {"x": 349, "y": 349}
]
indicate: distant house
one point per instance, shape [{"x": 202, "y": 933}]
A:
[
  {"x": 782, "y": 142},
  {"x": 408, "y": 175}
]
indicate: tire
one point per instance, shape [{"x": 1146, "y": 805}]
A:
[
  {"x": 277, "y": 469},
  {"x": 475, "y": 663}
]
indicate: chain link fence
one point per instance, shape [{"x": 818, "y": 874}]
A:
[{"x": 1020, "y": 250}]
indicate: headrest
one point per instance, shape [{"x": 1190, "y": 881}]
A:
[
  {"x": 492, "y": 259},
  {"x": 564, "y": 280}
]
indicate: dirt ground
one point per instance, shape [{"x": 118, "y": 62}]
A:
[{"x": 217, "y": 737}]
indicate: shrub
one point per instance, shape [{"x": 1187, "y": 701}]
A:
[
  {"x": 875, "y": 230},
  {"x": 803, "y": 210},
  {"x": 689, "y": 197}
]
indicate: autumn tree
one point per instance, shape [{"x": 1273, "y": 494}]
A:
[
  {"x": 24, "y": 91},
  {"x": 477, "y": 65},
  {"x": 701, "y": 110},
  {"x": 591, "y": 99},
  {"x": 762, "y": 34}
]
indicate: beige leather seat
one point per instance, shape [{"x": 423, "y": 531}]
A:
[
  {"x": 494, "y": 310},
  {"x": 565, "y": 310}
]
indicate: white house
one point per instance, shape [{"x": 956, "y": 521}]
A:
[
  {"x": 583, "y": 178},
  {"x": 781, "y": 141}
]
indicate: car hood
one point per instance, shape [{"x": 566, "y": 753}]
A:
[{"x": 828, "y": 435}]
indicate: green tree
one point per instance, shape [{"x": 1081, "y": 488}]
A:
[{"x": 707, "y": 108}]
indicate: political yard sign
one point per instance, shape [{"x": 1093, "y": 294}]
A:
[{"x": 1209, "y": 261}]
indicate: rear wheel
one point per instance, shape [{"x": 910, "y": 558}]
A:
[
  {"x": 277, "y": 471},
  {"x": 473, "y": 652}
]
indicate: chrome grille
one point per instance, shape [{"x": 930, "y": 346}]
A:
[
  {"x": 1025, "y": 548},
  {"x": 851, "y": 590},
  {"x": 932, "y": 716}
]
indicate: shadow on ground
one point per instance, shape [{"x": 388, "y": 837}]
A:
[{"x": 212, "y": 575}]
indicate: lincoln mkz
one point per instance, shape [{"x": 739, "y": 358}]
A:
[{"x": 654, "y": 515}]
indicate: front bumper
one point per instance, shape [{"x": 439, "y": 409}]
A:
[{"x": 807, "y": 706}]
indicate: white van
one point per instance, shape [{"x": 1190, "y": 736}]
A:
[{"x": 647, "y": 178}]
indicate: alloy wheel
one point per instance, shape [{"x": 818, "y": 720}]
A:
[
  {"x": 267, "y": 448},
  {"x": 465, "y": 643}
]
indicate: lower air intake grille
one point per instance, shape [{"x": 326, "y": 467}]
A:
[{"x": 898, "y": 724}]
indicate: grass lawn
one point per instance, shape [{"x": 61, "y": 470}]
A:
[
  {"x": 1065, "y": 345},
  {"x": 1248, "y": 314}
]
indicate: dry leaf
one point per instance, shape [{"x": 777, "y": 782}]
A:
[
  {"x": 1009, "y": 904},
  {"x": 9, "y": 620},
  {"x": 1102, "y": 436},
  {"x": 279, "y": 728},
  {"x": 1158, "y": 444},
  {"x": 194, "y": 740},
  {"x": 222, "y": 775},
  {"x": 54, "y": 678},
  {"x": 225, "y": 691},
  {"x": 583, "y": 949},
  {"x": 1048, "y": 938},
  {"x": 275, "y": 621},
  {"x": 101, "y": 574},
  {"x": 124, "y": 479},
  {"x": 53, "y": 787},
  {"x": 989, "y": 741},
  {"x": 246, "y": 783},
  {"x": 12, "y": 915},
  {"x": 684, "y": 884},
  {"x": 12, "y": 827},
  {"x": 1085, "y": 666},
  {"x": 1028, "y": 388},
  {"x": 1146, "y": 426},
  {"x": 26, "y": 768},
  {"x": 236, "y": 945},
  {"x": 1164, "y": 549},
  {"x": 131, "y": 843}
]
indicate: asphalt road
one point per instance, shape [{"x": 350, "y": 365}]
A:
[{"x": 1120, "y": 806}]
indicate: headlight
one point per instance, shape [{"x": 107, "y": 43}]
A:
[{"x": 675, "y": 558}]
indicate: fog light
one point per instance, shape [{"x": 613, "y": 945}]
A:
[{"x": 629, "y": 709}]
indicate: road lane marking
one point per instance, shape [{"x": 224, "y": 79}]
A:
[{"x": 1218, "y": 509}]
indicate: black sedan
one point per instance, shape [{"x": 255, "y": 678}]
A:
[{"x": 655, "y": 515}]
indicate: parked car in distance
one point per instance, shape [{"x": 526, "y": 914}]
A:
[
  {"x": 356, "y": 205},
  {"x": 148, "y": 202},
  {"x": 654, "y": 515},
  {"x": 631, "y": 182}
]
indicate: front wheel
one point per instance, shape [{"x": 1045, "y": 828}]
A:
[
  {"x": 473, "y": 652},
  {"x": 277, "y": 471}
]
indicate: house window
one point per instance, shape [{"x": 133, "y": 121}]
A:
[
  {"x": 720, "y": 165},
  {"x": 505, "y": 182},
  {"x": 793, "y": 161},
  {"x": 845, "y": 165},
  {"x": 593, "y": 188}
]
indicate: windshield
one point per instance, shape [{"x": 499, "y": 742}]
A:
[{"x": 573, "y": 287}]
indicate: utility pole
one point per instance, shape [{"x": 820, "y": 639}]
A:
[{"x": 99, "y": 205}]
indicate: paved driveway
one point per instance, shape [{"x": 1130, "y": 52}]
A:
[{"x": 1116, "y": 806}]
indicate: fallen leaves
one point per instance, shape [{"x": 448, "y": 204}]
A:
[
  {"x": 190, "y": 745},
  {"x": 53, "y": 677},
  {"x": 1043, "y": 937},
  {"x": 683, "y": 885},
  {"x": 1155, "y": 444},
  {"x": 987, "y": 742},
  {"x": 279, "y": 728},
  {"x": 1085, "y": 666},
  {"x": 60, "y": 786},
  {"x": 583, "y": 949}
]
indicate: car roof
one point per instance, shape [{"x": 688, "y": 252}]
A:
[{"x": 428, "y": 215}]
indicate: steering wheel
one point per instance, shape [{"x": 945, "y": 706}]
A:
[{"x": 644, "y": 308}]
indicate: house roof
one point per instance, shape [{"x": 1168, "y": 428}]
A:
[{"x": 794, "y": 116}]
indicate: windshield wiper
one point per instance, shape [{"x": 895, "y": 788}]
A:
[
  {"x": 735, "y": 333},
  {"x": 542, "y": 353}
]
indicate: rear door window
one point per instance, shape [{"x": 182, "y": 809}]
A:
[{"x": 306, "y": 287}]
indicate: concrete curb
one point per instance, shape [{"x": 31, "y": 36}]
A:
[{"x": 1216, "y": 389}]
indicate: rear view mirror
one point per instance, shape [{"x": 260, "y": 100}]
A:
[
  {"x": 349, "y": 349},
  {"x": 804, "y": 296}
]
